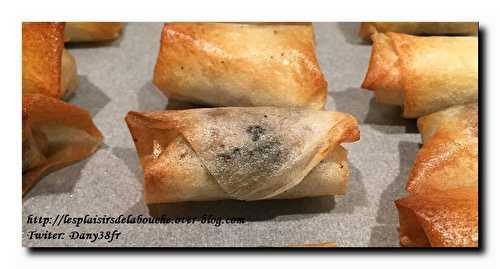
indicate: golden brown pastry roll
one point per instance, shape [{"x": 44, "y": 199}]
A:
[
  {"x": 244, "y": 153},
  {"x": 423, "y": 74},
  {"x": 240, "y": 64},
  {"x": 47, "y": 68},
  {"x": 92, "y": 31},
  {"x": 449, "y": 157},
  {"x": 418, "y": 28},
  {"x": 55, "y": 134},
  {"x": 439, "y": 219}
]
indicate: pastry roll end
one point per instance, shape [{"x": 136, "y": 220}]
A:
[
  {"x": 47, "y": 68},
  {"x": 439, "y": 219},
  {"x": 55, "y": 134},
  {"x": 423, "y": 74},
  {"x": 42, "y": 52},
  {"x": 418, "y": 28},
  {"x": 92, "y": 31},
  {"x": 449, "y": 157},
  {"x": 383, "y": 75}
]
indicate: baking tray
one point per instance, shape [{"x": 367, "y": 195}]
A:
[{"x": 116, "y": 78}]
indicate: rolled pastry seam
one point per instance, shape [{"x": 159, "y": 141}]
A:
[
  {"x": 55, "y": 134},
  {"x": 92, "y": 31},
  {"x": 241, "y": 153},
  {"x": 418, "y": 28},
  {"x": 423, "y": 74},
  {"x": 439, "y": 219},
  {"x": 449, "y": 157},
  {"x": 47, "y": 68},
  {"x": 240, "y": 64}
]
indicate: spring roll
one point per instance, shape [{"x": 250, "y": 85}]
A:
[
  {"x": 54, "y": 134},
  {"x": 423, "y": 74},
  {"x": 440, "y": 219},
  {"x": 92, "y": 31},
  {"x": 47, "y": 68},
  {"x": 418, "y": 28},
  {"x": 240, "y": 64},
  {"x": 442, "y": 207},
  {"x": 241, "y": 153},
  {"x": 449, "y": 157}
]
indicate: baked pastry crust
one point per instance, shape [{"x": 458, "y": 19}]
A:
[
  {"x": 442, "y": 209},
  {"x": 47, "y": 68},
  {"x": 240, "y": 64},
  {"x": 241, "y": 153},
  {"x": 423, "y": 74},
  {"x": 449, "y": 157},
  {"x": 92, "y": 31},
  {"x": 439, "y": 219},
  {"x": 418, "y": 28},
  {"x": 54, "y": 134}
]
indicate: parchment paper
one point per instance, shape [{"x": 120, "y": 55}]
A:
[{"x": 116, "y": 78}]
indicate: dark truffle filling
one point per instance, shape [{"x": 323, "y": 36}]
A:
[
  {"x": 255, "y": 131},
  {"x": 262, "y": 155}
]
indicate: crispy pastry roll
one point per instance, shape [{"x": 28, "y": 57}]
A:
[
  {"x": 55, "y": 134},
  {"x": 423, "y": 74},
  {"x": 92, "y": 31},
  {"x": 240, "y": 64},
  {"x": 449, "y": 157},
  {"x": 47, "y": 68},
  {"x": 242, "y": 153},
  {"x": 439, "y": 219},
  {"x": 418, "y": 28}
]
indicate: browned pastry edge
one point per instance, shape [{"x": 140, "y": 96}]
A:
[
  {"x": 92, "y": 31},
  {"x": 439, "y": 219},
  {"x": 197, "y": 61},
  {"x": 42, "y": 50},
  {"x": 71, "y": 135},
  {"x": 156, "y": 137}
]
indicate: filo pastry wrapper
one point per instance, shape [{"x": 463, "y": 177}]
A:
[
  {"x": 418, "y": 28},
  {"x": 449, "y": 156},
  {"x": 423, "y": 74},
  {"x": 440, "y": 219},
  {"x": 242, "y": 153},
  {"x": 54, "y": 134},
  {"x": 442, "y": 209},
  {"x": 240, "y": 64},
  {"x": 47, "y": 68},
  {"x": 92, "y": 31}
]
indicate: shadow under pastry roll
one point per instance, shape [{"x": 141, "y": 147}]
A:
[
  {"x": 423, "y": 74},
  {"x": 418, "y": 28},
  {"x": 54, "y": 134},
  {"x": 92, "y": 31},
  {"x": 240, "y": 64},
  {"x": 242, "y": 153},
  {"x": 47, "y": 68}
]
